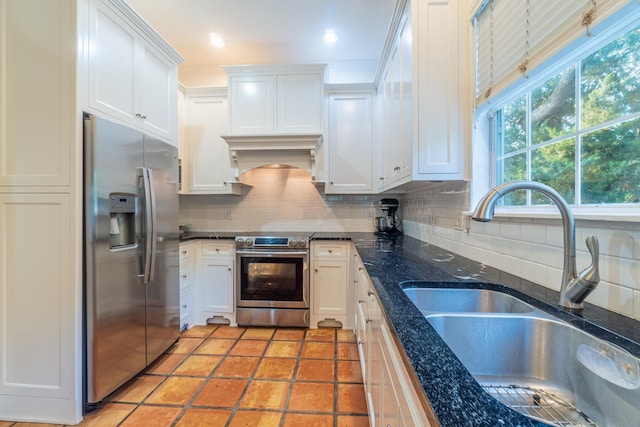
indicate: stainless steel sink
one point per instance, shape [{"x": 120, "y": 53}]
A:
[
  {"x": 545, "y": 368},
  {"x": 454, "y": 300}
]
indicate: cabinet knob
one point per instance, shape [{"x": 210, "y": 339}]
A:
[
  {"x": 330, "y": 251},
  {"x": 184, "y": 305},
  {"x": 369, "y": 320},
  {"x": 315, "y": 269},
  {"x": 184, "y": 251},
  {"x": 369, "y": 292},
  {"x": 184, "y": 276},
  {"x": 217, "y": 249},
  {"x": 229, "y": 268}
]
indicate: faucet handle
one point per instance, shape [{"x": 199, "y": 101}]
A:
[
  {"x": 580, "y": 287},
  {"x": 592, "y": 273}
]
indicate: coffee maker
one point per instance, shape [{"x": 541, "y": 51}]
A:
[{"x": 389, "y": 222}]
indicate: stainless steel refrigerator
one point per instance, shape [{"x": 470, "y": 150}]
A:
[{"x": 131, "y": 287}]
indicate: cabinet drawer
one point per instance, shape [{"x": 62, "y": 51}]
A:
[
  {"x": 218, "y": 248},
  {"x": 333, "y": 250}
]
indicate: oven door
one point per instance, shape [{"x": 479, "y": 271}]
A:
[{"x": 272, "y": 278}]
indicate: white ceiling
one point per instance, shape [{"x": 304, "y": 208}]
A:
[{"x": 270, "y": 31}]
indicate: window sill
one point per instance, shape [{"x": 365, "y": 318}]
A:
[{"x": 582, "y": 213}]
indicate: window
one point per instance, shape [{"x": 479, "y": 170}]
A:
[{"x": 577, "y": 131}]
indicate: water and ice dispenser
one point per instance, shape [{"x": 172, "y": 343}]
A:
[{"x": 122, "y": 223}]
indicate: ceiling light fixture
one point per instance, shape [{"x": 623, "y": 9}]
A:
[
  {"x": 216, "y": 40},
  {"x": 330, "y": 36}
]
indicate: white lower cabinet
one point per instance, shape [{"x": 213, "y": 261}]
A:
[
  {"x": 392, "y": 399},
  {"x": 329, "y": 283},
  {"x": 215, "y": 288}
]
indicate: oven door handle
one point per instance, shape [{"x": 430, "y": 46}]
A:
[{"x": 272, "y": 253}]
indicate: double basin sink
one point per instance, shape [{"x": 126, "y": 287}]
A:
[{"x": 533, "y": 362}]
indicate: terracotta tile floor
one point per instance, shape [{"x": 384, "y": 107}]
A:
[{"x": 224, "y": 376}]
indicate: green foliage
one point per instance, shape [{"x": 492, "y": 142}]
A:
[{"x": 609, "y": 156}]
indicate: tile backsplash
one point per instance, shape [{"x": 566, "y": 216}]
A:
[
  {"x": 529, "y": 248},
  {"x": 280, "y": 200}
]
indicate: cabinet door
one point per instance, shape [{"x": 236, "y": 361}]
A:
[
  {"x": 157, "y": 93},
  {"x": 38, "y": 120},
  {"x": 350, "y": 144},
  {"x": 216, "y": 285},
  {"x": 299, "y": 103},
  {"x": 112, "y": 67},
  {"x": 252, "y": 109},
  {"x": 439, "y": 116},
  {"x": 330, "y": 280},
  {"x": 207, "y": 155},
  {"x": 37, "y": 299}
]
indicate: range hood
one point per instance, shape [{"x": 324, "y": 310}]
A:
[{"x": 252, "y": 151}]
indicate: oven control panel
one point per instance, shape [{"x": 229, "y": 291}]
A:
[{"x": 261, "y": 242}]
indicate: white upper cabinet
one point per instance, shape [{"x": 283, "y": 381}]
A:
[
  {"x": 252, "y": 109},
  {"x": 268, "y": 100},
  {"x": 131, "y": 78},
  {"x": 423, "y": 91},
  {"x": 439, "y": 116},
  {"x": 350, "y": 143},
  {"x": 206, "y": 162},
  {"x": 299, "y": 103}
]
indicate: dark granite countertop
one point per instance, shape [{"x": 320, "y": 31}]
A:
[
  {"x": 208, "y": 235},
  {"x": 456, "y": 398}
]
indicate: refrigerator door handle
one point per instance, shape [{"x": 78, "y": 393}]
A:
[
  {"x": 147, "y": 225},
  {"x": 154, "y": 229}
]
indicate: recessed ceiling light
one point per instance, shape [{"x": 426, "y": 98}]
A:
[
  {"x": 216, "y": 40},
  {"x": 330, "y": 36}
]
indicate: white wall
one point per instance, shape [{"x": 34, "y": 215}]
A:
[
  {"x": 529, "y": 248},
  {"x": 280, "y": 200}
]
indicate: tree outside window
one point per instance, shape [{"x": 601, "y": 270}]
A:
[{"x": 579, "y": 131}]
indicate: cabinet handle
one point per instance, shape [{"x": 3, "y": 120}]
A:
[
  {"x": 184, "y": 252},
  {"x": 360, "y": 268},
  {"x": 184, "y": 305},
  {"x": 381, "y": 178},
  {"x": 369, "y": 320},
  {"x": 184, "y": 276},
  {"x": 361, "y": 301},
  {"x": 369, "y": 292}
]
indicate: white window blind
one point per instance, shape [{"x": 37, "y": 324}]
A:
[{"x": 515, "y": 36}]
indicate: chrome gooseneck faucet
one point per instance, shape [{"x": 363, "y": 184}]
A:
[{"x": 574, "y": 287}]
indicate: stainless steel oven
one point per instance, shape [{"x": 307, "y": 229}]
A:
[{"x": 272, "y": 280}]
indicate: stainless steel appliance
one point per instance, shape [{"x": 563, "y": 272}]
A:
[
  {"x": 389, "y": 223},
  {"x": 272, "y": 280},
  {"x": 131, "y": 287}
]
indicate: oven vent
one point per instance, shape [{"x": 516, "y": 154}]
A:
[{"x": 253, "y": 151}]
